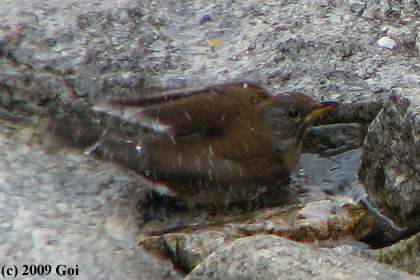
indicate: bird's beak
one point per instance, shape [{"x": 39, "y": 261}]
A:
[{"x": 321, "y": 109}]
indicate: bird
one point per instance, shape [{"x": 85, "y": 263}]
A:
[{"x": 220, "y": 144}]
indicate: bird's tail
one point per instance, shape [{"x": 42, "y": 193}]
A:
[{"x": 101, "y": 142}]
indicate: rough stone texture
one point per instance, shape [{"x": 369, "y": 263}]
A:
[
  {"x": 63, "y": 208},
  {"x": 57, "y": 51},
  {"x": 272, "y": 257},
  {"x": 54, "y": 53},
  {"x": 328, "y": 220},
  {"x": 404, "y": 254},
  {"x": 390, "y": 166}
]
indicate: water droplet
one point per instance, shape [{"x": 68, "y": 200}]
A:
[
  {"x": 92, "y": 148},
  {"x": 301, "y": 172},
  {"x": 139, "y": 148}
]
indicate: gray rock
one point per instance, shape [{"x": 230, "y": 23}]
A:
[
  {"x": 390, "y": 167},
  {"x": 54, "y": 54},
  {"x": 326, "y": 221},
  {"x": 62, "y": 208},
  {"x": 273, "y": 257}
]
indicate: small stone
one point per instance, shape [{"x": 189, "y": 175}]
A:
[
  {"x": 387, "y": 42},
  {"x": 215, "y": 42},
  {"x": 357, "y": 6}
]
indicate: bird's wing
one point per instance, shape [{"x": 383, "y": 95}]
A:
[
  {"x": 170, "y": 160},
  {"x": 182, "y": 113}
]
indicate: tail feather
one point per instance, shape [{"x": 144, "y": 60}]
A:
[{"x": 107, "y": 144}]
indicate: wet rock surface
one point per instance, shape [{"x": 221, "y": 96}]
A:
[
  {"x": 59, "y": 58},
  {"x": 326, "y": 220}
]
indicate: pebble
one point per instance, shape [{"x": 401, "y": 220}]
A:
[{"x": 387, "y": 42}]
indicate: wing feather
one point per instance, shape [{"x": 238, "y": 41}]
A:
[{"x": 183, "y": 113}]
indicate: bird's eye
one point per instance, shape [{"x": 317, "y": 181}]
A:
[{"x": 294, "y": 114}]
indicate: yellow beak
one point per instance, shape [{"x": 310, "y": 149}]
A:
[{"x": 322, "y": 109}]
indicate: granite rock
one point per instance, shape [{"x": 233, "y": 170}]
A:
[
  {"x": 273, "y": 257},
  {"x": 54, "y": 52},
  {"x": 56, "y": 55},
  {"x": 390, "y": 168},
  {"x": 403, "y": 254},
  {"x": 326, "y": 221},
  {"x": 60, "y": 207}
]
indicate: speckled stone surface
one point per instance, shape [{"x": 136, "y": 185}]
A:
[
  {"x": 61, "y": 207},
  {"x": 55, "y": 53},
  {"x": 391, "y": 159},
  {"x": 272, "y": 257},
  {"x": 404, "y": 254}
]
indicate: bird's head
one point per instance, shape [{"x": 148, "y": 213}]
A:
[{"x": 290, "y": 114}]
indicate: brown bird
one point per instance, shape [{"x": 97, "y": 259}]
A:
[{"x": 225, "y": 143}]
